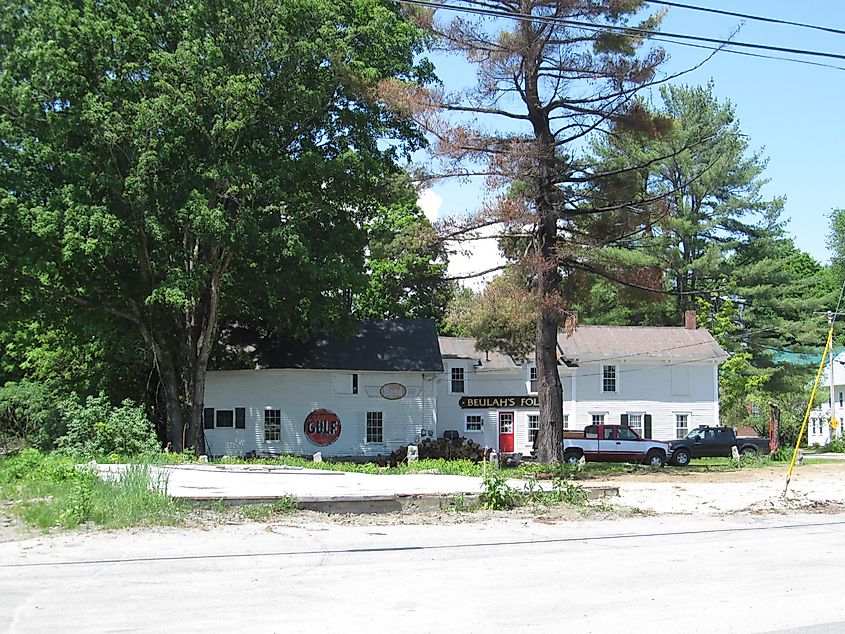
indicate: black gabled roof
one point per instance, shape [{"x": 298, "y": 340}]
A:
[{"x": 395, "y": 345}]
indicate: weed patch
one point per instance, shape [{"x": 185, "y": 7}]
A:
[{"x": 52, "y": 490}]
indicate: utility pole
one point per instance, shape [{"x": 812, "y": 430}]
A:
[{"x": 834, "y": 427}]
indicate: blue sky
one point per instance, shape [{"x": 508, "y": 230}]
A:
[{"x": 793, "y": 112}]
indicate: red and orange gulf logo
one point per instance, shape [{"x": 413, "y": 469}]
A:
[{"x": 322, "y": 427}]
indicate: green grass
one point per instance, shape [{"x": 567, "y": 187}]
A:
[
  {"x": 266, "y": 512},
  {"x": 53, "y": 491}
]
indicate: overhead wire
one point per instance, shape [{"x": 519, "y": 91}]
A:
[
  {"x": 747, "y": 16},
  {"x": 630, "y": 30}
]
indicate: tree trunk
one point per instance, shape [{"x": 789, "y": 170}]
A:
[
  {"x": 172, "y": 396},
  {"x": 549, "y": 390}
]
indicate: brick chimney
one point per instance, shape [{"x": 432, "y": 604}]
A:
[{"x": 689, "y": 320}]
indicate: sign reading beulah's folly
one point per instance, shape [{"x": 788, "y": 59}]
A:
[
  {"x": 322, "y": 427},
  {"x": 493, "y": 402}
]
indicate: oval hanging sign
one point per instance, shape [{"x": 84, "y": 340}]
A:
[
  {"x": 393, "y": 391},
  {"x": 322, "y": 427}
]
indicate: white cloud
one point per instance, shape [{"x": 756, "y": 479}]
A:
[
  {"x": 475, "y": 256},
  {"x": 430, "y": 203}
]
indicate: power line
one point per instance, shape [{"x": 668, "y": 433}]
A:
[
  {"x": 749, "y": 54},
  {"x": 747, "y": 16},
  {"x": 514, "y": 15}
]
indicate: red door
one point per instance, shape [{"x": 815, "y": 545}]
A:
[{"x": 505, "y": 432}]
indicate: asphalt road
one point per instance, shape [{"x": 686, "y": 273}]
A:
[{"x": 731, "y": 574}]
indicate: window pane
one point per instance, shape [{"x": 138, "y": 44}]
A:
[
  {"x": 533, "y": 427},
  {"x": 208, "y": 418},
  {"x": 457, "y": 380},
  {"x": 272, "y": 425},
  {"x": 375, "y": 427},
  {"x": 240, "y": 418},
  {"x": 681, "y": 425},
  {"x": 473, "y": 423},
  {"x": 225, "y": 418},
  {"x": 608, "y": 378},
  {"x": 635, "y": 422}
]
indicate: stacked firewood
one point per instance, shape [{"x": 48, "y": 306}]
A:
[{"x": 450, "y": 449}]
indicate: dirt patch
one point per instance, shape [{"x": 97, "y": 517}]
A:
[{"x": 11, "y": 528}]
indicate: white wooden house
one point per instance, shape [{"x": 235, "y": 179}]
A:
[
  {"x": 394, "y": 382},
  {"x": 362, "y": 395},
  {"x": 820, "y": 427},
  {"x": 662, "y": 381}
]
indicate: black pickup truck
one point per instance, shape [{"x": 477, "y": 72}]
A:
[{"x": 705, "y": 442}]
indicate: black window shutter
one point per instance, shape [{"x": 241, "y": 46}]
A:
[
  {"x": 647, "y": 428},
  {"x": 240, "y": 418},
  {"x": 625, "y": 420},
  {"x": 208, "y": 418}
]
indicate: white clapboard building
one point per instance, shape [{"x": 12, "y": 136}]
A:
[
  {"x": 661, "y": 381},
  {"x": 825, "y": 423},
  {"x": 361, "y": 395},
  {"x": 393, "y": 383}
]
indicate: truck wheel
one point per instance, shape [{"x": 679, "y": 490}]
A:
[
  {"x": 572, "y": 458},
  {"x": 655, "y": 458},
  {"x": 681, "y": 457},
  {"x": 748, "y": 451}
]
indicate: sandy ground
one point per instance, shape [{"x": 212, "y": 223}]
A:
[{"x": 814, "y": 488}]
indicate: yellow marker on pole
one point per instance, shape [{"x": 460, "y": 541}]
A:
[{"x": 809, "y": 407}]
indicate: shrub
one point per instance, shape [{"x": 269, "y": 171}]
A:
[
  {"x": 837, "y": 445},
  {"x": 783, "y": 454},
  {"x": 496, "y": 495},
  {"x": 568, "y": 492},
  {"x": 29, "y": 412},
  {"x": 96, "y": 428}
]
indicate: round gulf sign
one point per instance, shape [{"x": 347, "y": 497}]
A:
[{"x": 322, "y": 427}]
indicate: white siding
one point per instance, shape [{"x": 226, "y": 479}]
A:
[
  {"x": 298, "y": 392},
  {"x": 649, "y": 388}
]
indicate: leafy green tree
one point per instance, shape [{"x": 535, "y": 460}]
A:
[
  {"x": 406, "y": 264},
  {"x": 705, "y": 187},
  {"x": 501, "y": 317},
  {"x": 175, "y": 163}
]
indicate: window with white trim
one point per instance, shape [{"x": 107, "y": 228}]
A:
[
  {"x": 608, "y": 378},
  {"x": 681, "y": 425},
  {"x": 533, "y": 427},
  {"x": 532, "y": 379},
  {"x": 474, "y": 422},
  {"x": 272, "y": 425},
  {"x": 375, "y": 427},
  {"x": 566, "y": 421},
  {"x": 457, "y": 380},
  {"x": 597, "y": 418},
  {"x": 635, "y": 422}
]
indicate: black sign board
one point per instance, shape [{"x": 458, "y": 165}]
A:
[{"x": 499, "y": 402}]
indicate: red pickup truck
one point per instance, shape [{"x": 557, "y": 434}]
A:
[{"x": 613, "y": 443}]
